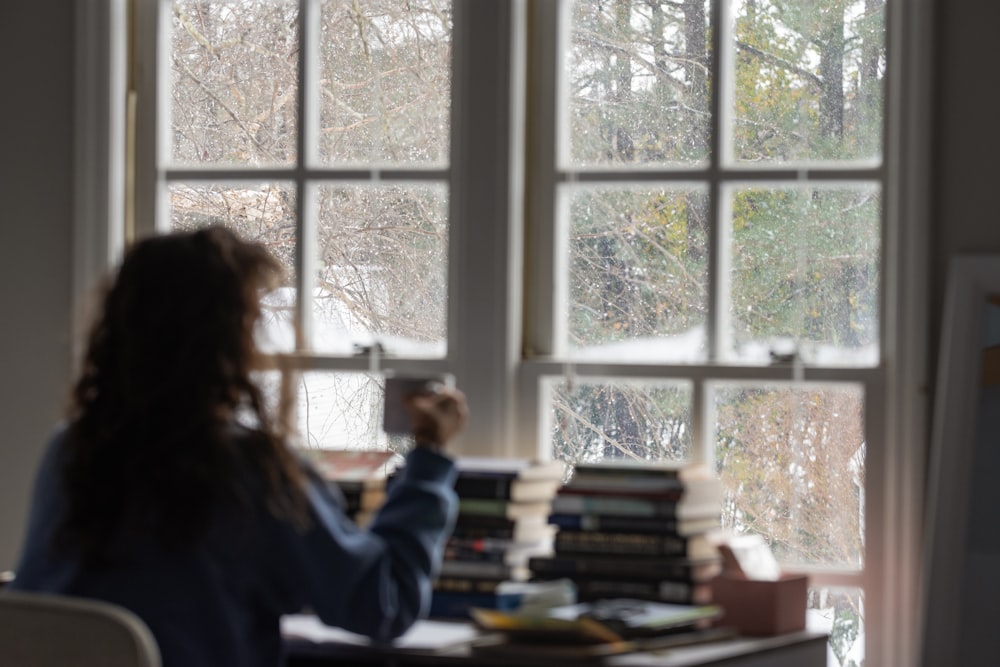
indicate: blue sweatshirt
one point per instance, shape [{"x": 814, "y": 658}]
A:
[{"x": 219, "y": 602}]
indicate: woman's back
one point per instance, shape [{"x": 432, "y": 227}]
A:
[
  {"x": 218, "y": 600},
  {"x": 151, "y": 495}
]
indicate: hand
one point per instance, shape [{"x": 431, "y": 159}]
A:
[{"x": 436, "y": 416}]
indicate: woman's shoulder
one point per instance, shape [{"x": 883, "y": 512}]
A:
[{"x": 56, "y": 446}]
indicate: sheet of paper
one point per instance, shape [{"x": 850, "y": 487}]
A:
[{"x": 425, "y": 635}]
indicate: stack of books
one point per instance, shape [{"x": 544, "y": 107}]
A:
[
  {"x": 503, "y": 521},
  {"x": 637, "y": 530},
  {"x": 361, "y": 476}
]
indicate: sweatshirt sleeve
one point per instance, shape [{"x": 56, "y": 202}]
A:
[{"x": 375, "y": 582}]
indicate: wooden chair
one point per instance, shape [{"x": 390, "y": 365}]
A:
[{"x": 43, "y": 630}]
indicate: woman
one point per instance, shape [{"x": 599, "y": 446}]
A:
[{"x": 169, "y": 490}]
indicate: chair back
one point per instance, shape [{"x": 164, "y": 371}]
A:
[{"x": 44, "y": 630}]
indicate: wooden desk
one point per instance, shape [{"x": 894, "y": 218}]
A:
[{"x": 801, "y": 649}]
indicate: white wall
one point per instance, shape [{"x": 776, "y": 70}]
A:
[
  {"x": 967, "y": 141},
  {"x": 967, "y": 215},
  {"x": 36, "y": 79}
]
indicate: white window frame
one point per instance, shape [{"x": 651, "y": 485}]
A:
[
  {"x": 99, "y": 151},
  {"x": 895, "y": 402},
  {"x": 492, "y": 220},
  {"x": 483, "y": 200}
]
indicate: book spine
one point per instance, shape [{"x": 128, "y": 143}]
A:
[
  {"x": 639, "y": 471},
  {"x": 483, "y": 570},
  {"x": 445, "y": 604},
  {"x": 676, "y": 592},
  {"x": 483, "y": 487},
  {"x": 615, "y": 523},
  {"x": 474, "y": 556},
  {"x": 483, "y": 506},
  {"x": 467, "y": 585},
  {"x": 673, "y": 495},
  {"x": 608, "y": 481},
  {"x": 481, "y": 521},
  {"x": 469, "y": 532},
  {"x": 501, "y": 508},
  {"x": 631, "y": 544},
  {"x": 588, "y": 504},
  {"x": 555, "y": 567},
  {"x": 479, "y": 545}
]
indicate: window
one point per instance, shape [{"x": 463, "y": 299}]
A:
[
  {"x": 322, "y": 130},
  {"x": 653, "y": 230},
  {"x": 715, "y": 181}
]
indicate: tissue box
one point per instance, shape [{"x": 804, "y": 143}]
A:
[{"x": 762, "y": 608}]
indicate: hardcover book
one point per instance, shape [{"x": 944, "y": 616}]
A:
[
  {"x": 659, "y": 590},
  {"x": 484, "y": 570},
  {"x": 521, "y": 469},
  {"x": 501, "y": 508},
  {"x": 493, "y": 545},
  {"x": 624, "y": 505},
  {"x": 633, "y": 469},
  {"x": 515, "y": 554},
  {"x": 640, "y": 618},
  {"x": 634, "y": 524},
  {"x": 617, "y": 567},
  {"x": 449, "y": 604},
  {"x": 523, "y": 529},
  {"x": 695, "y": 492},
  {"x": 466, "y": 585},
  {"x": 505, "y": 488},
  {"x": 694, "y": 547}
]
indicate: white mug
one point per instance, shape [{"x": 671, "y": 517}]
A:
[{"x": 395, "y": 418}]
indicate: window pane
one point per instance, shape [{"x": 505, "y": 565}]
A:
[
  {"x": 598, "y": 420},
  {"x": 792, "y": 459},
  {"x": 805, "y": 273},
  {"x": 637, "y": 273},
  {"x": 840, "y": 613},
  {"x": 385, "y": 81},
  {"x": 260, "y": 212},
  {"x": 638, "y": 82},
  {"x": 342, "y": 411},
  {"x": 808, "y": 80},
  {"x": 383, "y": 268},
  {"x": 234, "y": 82}
]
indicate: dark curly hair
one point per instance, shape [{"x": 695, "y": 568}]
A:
[{"x": 152, "y": 434}]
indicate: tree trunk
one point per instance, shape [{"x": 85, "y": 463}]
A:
[
  {"x": 869, "y": 113},
  {"x": 622, "y": 143},
  {"x": 831, "y": 73}
]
